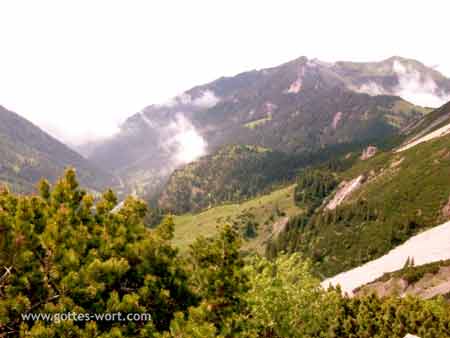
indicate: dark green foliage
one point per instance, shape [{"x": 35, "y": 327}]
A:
[
  {"x": 312, "y": 187},
  {"x": 390, "y": 317},
  {"x": 65, "y": 255},
  {"x": 235, "y": 173},
  {"x": 63, "y": 252},
  {"x": 219, "y": 277},
  {"x": 153, "y": 217},
  {"x": 246, "y": 224},
  {"x": 404, "y": 194}
]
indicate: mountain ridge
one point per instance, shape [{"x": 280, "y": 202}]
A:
[
  {"x": 29, "y": 154},
  {"x": 301, "y": 105}
]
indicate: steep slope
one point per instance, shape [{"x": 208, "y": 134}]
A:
[
  {"x": 425, "y": 281},
  {"x": 397, "y": 195},
  {"x": 232, "y": 174},
  {"x": 235, "y": 173},
  {"x": 408, "y": 78},
  {"x": 28, "y": 154},
  {"x": 302, "y": 105},
  {"x": 429, "y": 246}
]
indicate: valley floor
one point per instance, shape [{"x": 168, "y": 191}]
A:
[{"x": 267, "y": 211}]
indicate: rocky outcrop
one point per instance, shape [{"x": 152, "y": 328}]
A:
[
  {"x": 446, "y": 211},
  {"x": 369, "y": 152},
  {"x": 429, "y": 286},
  {"x": 344, "y": 191},
  {"x": 445, "y": 130}
]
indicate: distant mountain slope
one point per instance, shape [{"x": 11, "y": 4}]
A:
[
  {"x": 388, "y": 198},
  {"x": 28, "y": 154},
  {"x": 408, "y": 78},
  {"x": 232, "y": 174},
  {"x": 302, "y": 105}
]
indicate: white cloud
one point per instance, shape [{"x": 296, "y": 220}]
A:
[
  {"x": 371, "y": 88},
  {"x": 206, "y": 100},
  {"x": 412, "y": 86},
  {"x": 416, "y": 88},
  {"x": 184, "y": 141}
]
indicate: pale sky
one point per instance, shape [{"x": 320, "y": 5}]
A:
[{"x": 79, "y": 68}]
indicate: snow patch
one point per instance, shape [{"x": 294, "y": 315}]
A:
[
  {"x": 430, "y": 246},
  {"x": 430, "y": 136},
  {"x": 345, "y": 189}
]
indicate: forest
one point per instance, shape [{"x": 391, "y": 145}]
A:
[{"x": 63, "y": 250}]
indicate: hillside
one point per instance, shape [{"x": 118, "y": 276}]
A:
[
  {"x": 257, "y": 219},
  {"x": 383, "y": 201},
  {"x": 425, "y": 281},
  {"x": 28, "y": 154},
  {"x": 424, "y": 250},
  {"x": 232, "y": 174},
  {"x": 301, "y": 106},
  {"x": 105, "y": 262}
]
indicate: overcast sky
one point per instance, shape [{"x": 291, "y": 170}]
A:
[{"x": 78, "y": 68}]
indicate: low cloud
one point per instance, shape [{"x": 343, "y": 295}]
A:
[
  {"x": 178, "y": 138},
  {"x": 412, "y": 86},
  {"x": 207, "y": 99},
  {"x": 185, "y": 141},
  {"x": 417, "y": 88}
]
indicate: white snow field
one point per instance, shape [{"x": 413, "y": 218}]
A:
[
  {"x": 429, "y": 246},
  {"x": 434, "y": 134}
]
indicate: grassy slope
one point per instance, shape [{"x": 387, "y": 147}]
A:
[
  {"x": 414, "y": 190},
  {"x": 190, "y": 226}
]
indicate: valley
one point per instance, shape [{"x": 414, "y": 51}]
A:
[
  {"x": 260, "y": 215},
  {"x": 252, "y": 193}
]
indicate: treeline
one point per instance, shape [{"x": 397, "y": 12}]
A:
[
  {"x": 312, "y": 188},
  {"x": 233, "y": 174},
  {"x": 239, "y": 172},
  {"x": 62, "y": 251},
  {"x": 348, "y": 236}
]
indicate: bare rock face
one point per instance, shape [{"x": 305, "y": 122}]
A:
[
  {"x": 446, "y": 210},
  {"x": 369, "y": 152},
  {"x": 344, "y": 191}
]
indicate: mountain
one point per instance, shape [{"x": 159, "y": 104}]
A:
[
  {"x": 410, "y": 79},
  {"x": 379, "y": 201},
  {"x": 232, "y": 174},
  {"x": 28, "y": 154},
  {"x": 235, "y": 173},
  {"x": 300, "y": 106}
]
